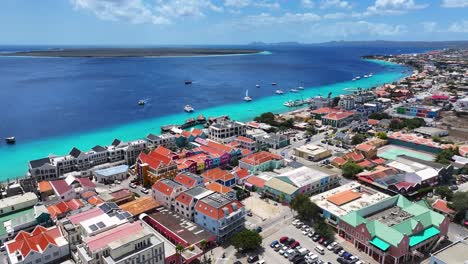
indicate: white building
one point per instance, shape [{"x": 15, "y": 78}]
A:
[
  {"x": 17, "y": 202},
  {"x": 165, "y": 191},
  {"x": 112, "y": 174},
  {"x": 226, "y": 131},
  {"x": 346, "y": 102},
  {"x": 166, "y": 140},
  {"x": 42, "y": 245},
  {"x": 129, "y": 243},
  {"x": 185, "y": 201}
]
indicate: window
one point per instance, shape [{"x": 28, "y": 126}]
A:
[
  {"x": 56, "y": 253},
  {"x": 38, "y": 260}
]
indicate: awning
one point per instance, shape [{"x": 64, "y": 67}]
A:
[
  {"x": 422, "y": 236},
  {"x": 380, "y": 244}
]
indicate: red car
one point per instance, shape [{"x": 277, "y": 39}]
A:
[
  {"x": 295, "y": 244},
  {"x": 321, "y": 240},
  {"x": 283, "y": 239}
]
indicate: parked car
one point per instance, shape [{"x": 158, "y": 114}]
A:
[
  {"x": 145, "y": 191},
  {"x": 274, "y": 243},
  {"x": 332, "y": 245},
  {"x": 132, "y": 185},
  {"x": 341, "y": 252},
  {"x": 278, "y": 247},
  {"x": 283, "y": 239},
  {"x": 316, "y": 238},
  {"x": 321, "y": 240},
  {"x": 337, "y": 249},
  {"x": 249, "y": 213},
  {"x": 326, "y": 243},
  {"x": 305, "y": 233},
  {"x": 290, "y": 241},
  {"x": 252, "y": 259},
  {"x": 295, "y": 244}
]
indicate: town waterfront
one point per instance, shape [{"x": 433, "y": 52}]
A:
[{"x": 36, "y": 141}]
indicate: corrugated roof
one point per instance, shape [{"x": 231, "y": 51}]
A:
[
  {"x": 139, "y": 206},
  {"x": 281, "y": 186}
]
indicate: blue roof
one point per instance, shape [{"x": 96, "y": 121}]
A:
[{"x": 112, "y": 171}]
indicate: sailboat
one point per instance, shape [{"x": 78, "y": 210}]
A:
[{"x": 247, "y": 98}]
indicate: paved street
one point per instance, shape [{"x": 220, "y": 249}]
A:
[{"x": 456, "y": 232}]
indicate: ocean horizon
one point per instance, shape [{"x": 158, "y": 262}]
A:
[{"x": 100, "y": 123}]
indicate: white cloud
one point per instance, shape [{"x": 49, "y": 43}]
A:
[
  {"x": 459, "y": 27},
  {"x": 237, "y": 3},
  {"x": 337, "y": 15},
  {"x": 266, "y": 19},
  {"x": 361, "y": 28},
  {"x": 393, "y": 7},
  {"x": 139, "y": 11},
  {"x": 267, "y": 4},
  {"x": 454, "y": 3},
  {"x": 429, "y": 26},
  {"x": 307, "y": 3},
  {"x": 334, "y": 4}
]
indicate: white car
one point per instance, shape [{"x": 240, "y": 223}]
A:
[
  {"x": 305, "y": 232},
  {"x": 295, "y": 222},
  {"x": 281, "y": 252},
  {"x": 332, "y": 245},
  {"x": 359, "y": 262}
]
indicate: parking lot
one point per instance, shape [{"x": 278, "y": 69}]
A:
[{"x": 264, "y": 209}]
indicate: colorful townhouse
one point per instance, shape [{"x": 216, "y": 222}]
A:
[
  {"x": 185, "y": 137},
  {"x": 189, "y": 180},
  {"x": 165, "y": 192},
  {"x": 418, "y": 111},
  {"x": 261, "y": 161},
  {"x": 220, "y": 215},
  {"x": 186, "y": 200},
  {"x": 220, "y": 176},
  {"x": 394, "y": 230},
  {"x": 155, "y": 165},
  {"x": 246, "y": 143}
]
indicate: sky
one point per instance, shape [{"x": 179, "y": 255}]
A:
[{"x": 185, "y": 22}]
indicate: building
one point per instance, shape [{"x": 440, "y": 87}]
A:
[
  {"x": 453, "y": 253},
  {"x": 220, "y": 215},
  {"x": 42, "y": 169},
  {"x": 60, "y": 209},
  {"x": 222, "y": 189},
  {"x": 416, "y": 142},
  {"x": 186, "y": 200},
  {"x": 111, "y": 217},
  {"x": 317, "y": 102},
  {"x": 119, "y": 196},
  {"x": 312, "y": 152},
  {"x": 346, "y": 102},
  {"x": 225, "y": 131},
  {"x": 303, "y": 180},
  {"x": 42, "y": 245},
  {"x": 418, "y": 111},
  {"x": 128, "y": 243},
  {"x": 165, "y": 192},
  {"x": 24, "y": 219},
  {"x": 16, "y": 203},
  {"x": 441, "y": 206},
  {"x": 71, "y": 187},
  {"x": 368, "y": 150},
  {"x": 272, "y": 140},
  {"x": 110, "y": 175},
  {"x": 142, "y": 205},
  {"x": 166, "y": 140},
  {"x": 220, "y": 176},
  {"x": 394, "y": 230},
  {"x": 431, "y": 131},
  {"x": 246, "y": 143},
  {"x": 261, "y": 161},
  {"x": 344, "y": 199},
  {"x": 154, "y": 166},
  {"x": 189, "y": 180},
  {"x": 338, "y": 119}
]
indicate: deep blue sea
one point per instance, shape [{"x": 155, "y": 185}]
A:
[{"x": 53, "y": 104}]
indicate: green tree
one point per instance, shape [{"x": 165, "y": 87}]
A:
[
  {"x": 445, "y": 156},
  {"x": 203, "y": 245},
  {"x": 357, "y": 139},
  {"x": 459, "y": 204},
  {"x": 324, "y": 229},
  {"x": 379, "y": 116},
  {"x": 246, "y": 240},
  {"x": 444, "y": 192},
  {"x": 305, "y": 208},
  {"x": 281, "y": 197},
  {"x": 381, "y": 135},
  {"x": 179, "y": 250},
  {"x": 350, "y": 169}
]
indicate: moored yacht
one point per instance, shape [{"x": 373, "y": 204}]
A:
[
  {"x": 273, "y": 83},
  {"x": 10, "y": 140},
  {"x": 141, "y": 102},
  {"x": 293, "y": 90},
  {"x": 189, "y": 109},
  {"x": 279, "y": 92},
  {"x": 258, "y": 85},
  {"x": 300, "y": 88},
  {"x": 366, "y": 76},
  {"x": 247, "y": 98}
]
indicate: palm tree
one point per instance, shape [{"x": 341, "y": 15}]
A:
[
  {"x": 179, "y": 250},
  {"x": 203, "y": 245}
]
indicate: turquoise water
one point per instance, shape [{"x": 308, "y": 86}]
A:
[{"x": 13, "y": 160}]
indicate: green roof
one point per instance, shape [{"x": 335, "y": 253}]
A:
[
  {"x": 406, "y": 227},
  {"x": 11, "y": 216},
  {"x": 353, "y": 218},
  {"x": 379, "y": 243},
  {"x": 384, "y": 232},
  {"x": 422, "y": 236}
]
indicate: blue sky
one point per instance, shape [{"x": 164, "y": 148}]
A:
[{"x": 139, "y": 22}]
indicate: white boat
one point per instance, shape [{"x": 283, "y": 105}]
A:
[
  {"x": 370, "y": 75},
  {"x": 141, "y": 102},
  {"x": 292, "y": 103},
  {"x": 279, "y": 92},
  {"x": 258, "y": 85},
  {"x": 273, "y": 83},
  {"x": 300, "y": 88},
  {"x": 294, "y": 90},
  {"x": 10, "y": 140},
  {"x": 247, "y": 98},
  {"x": 366, "y": 76},
  {"x": 189, "y": 109},
  {"x": 357, "y": 77},
  {"x": 354, "y": 79}
]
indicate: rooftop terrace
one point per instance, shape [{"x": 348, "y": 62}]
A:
[{"x": 390, "y": 216}]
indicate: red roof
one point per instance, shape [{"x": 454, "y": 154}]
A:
[
  {"x": 325, "y": 110},
  {"x": 60, "y": 186},
  {"x": 366, "y": 164},
  {"x": 338, "y": 115},
  {"x": 216, "y": 213},
  {"x": 162, "y": 187},
  {"x": 218, "y": 174},
  {"x": 88, "y": 194},
  {"x": 365, "y": 147},
  {"x": 103, "y": 239},
  {"x": 372, "y": 122},
  {"x": 404, "y": 185},
  {"x": 216, "y": 187},
  {"x": 184, "y": 198},
  {"x": 154, "y": 159},
  {"x": 64, "y": 207},
  {"x": 185, "y": 180},
  {"x": 95, "y": 200},
  {"x": 219, "y": 146},
  {"x": 338, "y": 161},
  {"x": 44, "y": 186},
  {"x": 38, "y": 240},
  {"x": 86, "y": 182},
  {"x": 260, "y": 157},
  {"x": 354, "y": 156},
  {"x": 256, "y": 181},
  {"x": 245, "y": 139},
  {"x": 241, "y": 173},
  {"x": 441, "y": 205},
  {"x": 121, "y": 194}
]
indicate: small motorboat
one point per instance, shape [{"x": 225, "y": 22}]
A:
[
  {"x": 366, "y": 76},
  {"x": 357, "y": 77},
  {"x": 10, "y": 140},
  {"x": 247, "y": 98},
  {"x": 273, "y": 83},
  {"x": 187, "y": 82},
  {"x": 300, "y": 88},
  {"x": 141, "y": 102},
  {"x": 279, "y": 92},
  {"x": 189, "y": 109},
  {"x": 293, "y": 90},
  {"x": 258, "y": 85}
]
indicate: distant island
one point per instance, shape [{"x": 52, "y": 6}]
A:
[
  {"x": 130, "y": 52},
  {"x": 373, "y": 43}
]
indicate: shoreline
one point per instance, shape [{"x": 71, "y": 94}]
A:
[
  {"x": 16, "y": 157},
  {"x": 131, "y": 53}
]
